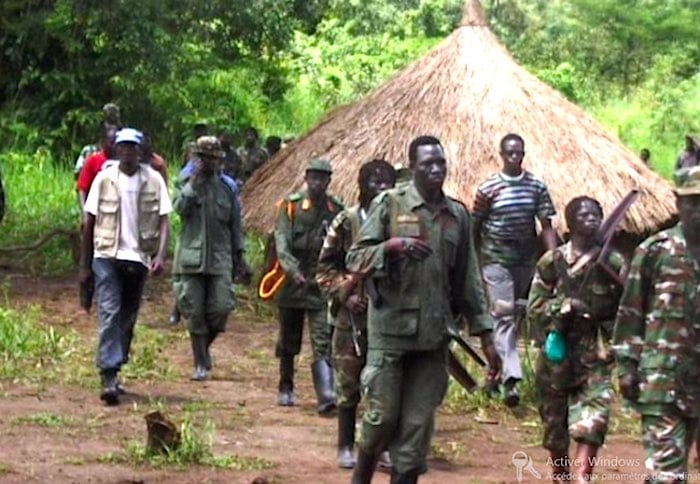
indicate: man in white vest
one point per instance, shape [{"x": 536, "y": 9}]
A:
[{"x": 124, "y": 239}]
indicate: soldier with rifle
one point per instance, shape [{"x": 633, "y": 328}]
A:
[
  {"x": 349, "y": 310},
  {"x": 572, "y": 307},
  {"x": 416, "y": 246}
]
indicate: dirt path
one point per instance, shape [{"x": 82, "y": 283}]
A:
[{"x": 88, "y": 444}]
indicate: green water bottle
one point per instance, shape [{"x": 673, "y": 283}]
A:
[{"x": 555, "y": 347}]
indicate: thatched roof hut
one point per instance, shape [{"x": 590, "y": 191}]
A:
[{"x": 469, "y": 92}]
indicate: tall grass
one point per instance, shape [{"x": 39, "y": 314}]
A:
[
  {"x": 40, "y": 196},
  {"x": 26, "y": 345}
]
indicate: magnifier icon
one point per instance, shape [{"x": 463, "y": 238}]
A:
[{"x": 523, "y": 461}]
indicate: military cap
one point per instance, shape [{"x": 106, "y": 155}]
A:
[
  {"x": 209, "y": 146},
  {"x": 687, "y": 181},
  {"x": 319, "y": 165}
]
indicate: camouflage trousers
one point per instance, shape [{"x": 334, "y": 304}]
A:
[
  {"x": 347, "y": 366},
  {"x": 667, "y": 441},
  {"x": 580, "y": 413}
]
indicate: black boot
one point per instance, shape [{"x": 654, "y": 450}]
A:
[
  {"x": 364, "y": 468},
  {"x": 109, "y": 393},
  {"x": 510, "y": 395},
  {"x": 199, "y": 353},
  {"x": 346, "y": 437},
  {"x": 323, "y": 384},
  {"x": 396, "y": 478},
  {"x": 211, "y": 336},
  {"x": 286, "y": 396}
]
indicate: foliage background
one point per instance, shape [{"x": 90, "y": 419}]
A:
[{"x": 281, "y": 64}]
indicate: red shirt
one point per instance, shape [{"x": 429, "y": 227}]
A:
[{"x": 90, "y": 169}]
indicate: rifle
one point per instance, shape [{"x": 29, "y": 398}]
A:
[
  {"x": 462, "y": 343},
  {"x": 604, "y": 237},
  {"x": 356, "y": 333}
]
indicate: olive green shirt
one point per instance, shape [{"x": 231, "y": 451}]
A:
[
  {"x": 211, "y": 235},
  {"x": 415, "y": 301},
  {"x": 298, "y": 239}
]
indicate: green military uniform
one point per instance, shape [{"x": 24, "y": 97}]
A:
[
  {"x": 406, "y": 375},
  {"x": 574, "y": 396},
  {"x": 300, "y": 228},
  {"x": 657, "y": 338},
  {"x": 210, "y": 242}
]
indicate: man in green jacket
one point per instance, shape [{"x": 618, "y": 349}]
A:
[
  {"x": 302, "y": 221},
  {"x": 208, "y": 252},
  {"x": 657, "y": 335},
  {"x": 416, "y": 245}
]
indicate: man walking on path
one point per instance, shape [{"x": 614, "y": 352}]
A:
[
  {"x": 417, "y": 248},
  {"x": 208, "y": 252},
  {"x": 125, "y": 237},
  {"x": 302, "y": 222},
  {"x": 657, "y": 336},
  {"x": 575, "y": 302},
  {"x": 349, "y": 311},
  {"x": 505, "y": 208}
]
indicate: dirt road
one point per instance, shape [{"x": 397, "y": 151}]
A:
[{"x": 60, "y": 432}]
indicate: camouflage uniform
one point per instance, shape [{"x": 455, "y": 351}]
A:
[
  {"x": 331, "y": 273},
  {"x": 299, "y": 232},
  {"x": 251, "y": 159},
  {"x": 656, "y": 338},
  {"x": 574, "y": 395},
  {"x": 406, "y": 375}
]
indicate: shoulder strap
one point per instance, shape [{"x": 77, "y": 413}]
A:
[
  {"x": 393, "y": 213},
  {"x": 353, "y": 215}
]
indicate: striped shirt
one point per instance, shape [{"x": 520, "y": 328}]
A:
[{"x": 507, "y": 207}]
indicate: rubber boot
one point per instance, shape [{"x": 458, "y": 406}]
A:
[
  {"x": 109, "y": 393},
  {"x": 199, "y": 353},
  {"x": 323, "y": 384},
  {"x": 397, "y": 478},
  {"x": 286, "y": 396},
  {"x": 585, "y": 456},
  {"x": 510, "y": 396},
  {"x": 364, "y": 468},
  {"x": 211, "y": 336},
  {"x": 346, "y": 437}
]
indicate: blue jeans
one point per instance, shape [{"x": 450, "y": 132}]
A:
[{"x": 118, "y": 289}]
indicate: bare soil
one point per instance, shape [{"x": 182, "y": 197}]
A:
[{"x": 240, "y": 400}]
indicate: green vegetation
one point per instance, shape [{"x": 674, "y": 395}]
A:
[
  {"x": 281, "y": 64},
  {"x": 27, "y": 345},
  {"x": 44, "y": 419},
  {"x": 196, "y": 448}
]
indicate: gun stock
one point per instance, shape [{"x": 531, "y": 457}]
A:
[{"x": 460, "y": 374}]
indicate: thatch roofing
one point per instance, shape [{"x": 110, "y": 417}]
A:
[{"x": 469, "y": 92}]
